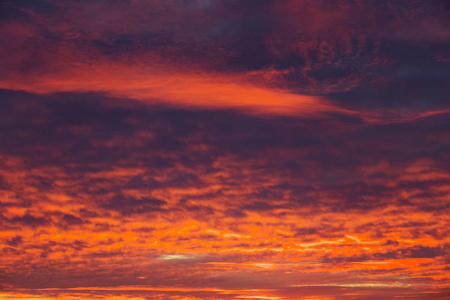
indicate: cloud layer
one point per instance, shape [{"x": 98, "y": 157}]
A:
[{"x": 224, "y": 150}]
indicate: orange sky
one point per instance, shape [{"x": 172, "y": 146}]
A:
[{"x": 224, "y": 150}]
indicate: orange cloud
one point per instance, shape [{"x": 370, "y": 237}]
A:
[{"x": 180, "y": 89}]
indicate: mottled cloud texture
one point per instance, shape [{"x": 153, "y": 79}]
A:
[{"x": 224, "y": 149}]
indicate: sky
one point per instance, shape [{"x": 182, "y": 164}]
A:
[{"x": 224, "y": 149}]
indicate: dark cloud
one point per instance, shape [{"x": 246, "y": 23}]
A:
[
  {"x": 15, "y": 241},
  {"x": 70, "y": 220},
  {"x": 29, "y": 220},
  {"x": 423, "y": 252},
  {"x": 130, "y": 205},
  {"x": 258, "y": 206},
  {"x": 402, "y": 253},
  {"x": 235, "y": 213}
]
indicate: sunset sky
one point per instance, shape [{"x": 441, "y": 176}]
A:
[{"x": 224, "y": 149}]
